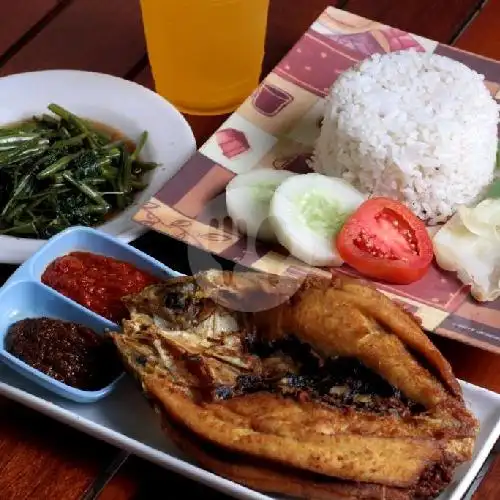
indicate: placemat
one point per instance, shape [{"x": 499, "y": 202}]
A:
[{"x": 276, "y": 127}]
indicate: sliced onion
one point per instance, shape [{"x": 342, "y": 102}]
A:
[
  {"x": 474, "y": 258},
  {"x": 483, "y": 219}
]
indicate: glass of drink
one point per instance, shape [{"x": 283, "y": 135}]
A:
[{"x": 206, "y": 55}]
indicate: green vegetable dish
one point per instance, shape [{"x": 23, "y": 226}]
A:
[{"x": 60, "y": 170}]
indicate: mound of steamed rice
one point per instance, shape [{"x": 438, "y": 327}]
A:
[{"x": 412, "y": 126}]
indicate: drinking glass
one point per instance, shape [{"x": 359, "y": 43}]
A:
[{"x": 205, "y": 55}]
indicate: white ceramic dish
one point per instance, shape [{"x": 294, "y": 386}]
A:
[
  {"x": 124, "y": 105},
  {"x": 138, "y": 431}
]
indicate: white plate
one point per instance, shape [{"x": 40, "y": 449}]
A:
[
  {"x": 125, "y": 420},
  {"x": 126, "y": 106}
]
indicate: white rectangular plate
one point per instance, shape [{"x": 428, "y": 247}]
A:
[{"x": 125, "y": 420}]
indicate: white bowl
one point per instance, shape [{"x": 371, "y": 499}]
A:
[{"x": 126, "y": 106}]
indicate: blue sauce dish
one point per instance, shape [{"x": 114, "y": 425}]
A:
[{"x": 25, "y": 296}]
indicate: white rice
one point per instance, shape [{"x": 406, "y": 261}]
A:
[{"x": 413, "y": 126}]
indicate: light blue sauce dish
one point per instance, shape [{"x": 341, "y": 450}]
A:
[{"x": 25, "y": 296}]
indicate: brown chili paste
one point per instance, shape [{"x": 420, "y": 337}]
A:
[{"x": 68, "y": 352}]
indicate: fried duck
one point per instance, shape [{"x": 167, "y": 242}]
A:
[{"x": 317, "y": 388}]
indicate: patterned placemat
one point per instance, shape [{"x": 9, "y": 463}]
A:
[{"x": 276, "y": 127}]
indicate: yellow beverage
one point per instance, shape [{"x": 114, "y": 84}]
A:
[{"x": 205, "y": 55}]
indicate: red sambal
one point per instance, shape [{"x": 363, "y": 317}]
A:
[{"x": 96, "y": 282}]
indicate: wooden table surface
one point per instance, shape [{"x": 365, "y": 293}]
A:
[{"x": 42, "y": 459}]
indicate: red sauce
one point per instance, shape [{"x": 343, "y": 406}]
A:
[{"x": 96, "y": 282}]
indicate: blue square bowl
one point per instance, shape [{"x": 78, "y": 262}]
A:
[
  {"x": 24, "y": 296},
  {"x": 28, "y": 299}
]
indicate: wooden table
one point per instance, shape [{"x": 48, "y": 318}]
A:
[{"x": 42, "y": 459}]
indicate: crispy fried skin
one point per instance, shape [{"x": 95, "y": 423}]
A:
[
  {"x": 395, "y": 461},
  {"x": 185, "y": 341},
  {"x": 354, "y": 334},
  {"x": 385, "y": 312},
  {"x": 273, "y": 479},
  {"x": 342, "y": 317}
]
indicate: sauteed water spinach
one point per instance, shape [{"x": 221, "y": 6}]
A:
[{"x": 58, "y": 170}]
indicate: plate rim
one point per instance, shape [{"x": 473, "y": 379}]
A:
[
  {"x": 121, "y": 441},
  {"x": 201, "y": 475},
  {"x": 185, "y": 148}
]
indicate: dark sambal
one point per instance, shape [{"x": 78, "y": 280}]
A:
[
  {"x": 66, "y": 351},
  {"x": 97, "y": 282}
]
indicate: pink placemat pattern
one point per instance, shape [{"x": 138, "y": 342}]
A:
[{"x": 276, "y": 127}]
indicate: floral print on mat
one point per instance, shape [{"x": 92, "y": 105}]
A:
[
  {"x": 392, "y": 39},
  {"x": 342, "y": 22},
  {"x": 239, "y": 144},
  {"x": 295, "y": 163},
  {"x": 364, "y": 43},
  {"x": 436, "y": 289},
  {"x": 232, "y": 142},
  {"x": 269, "y": 99},
  {"x": 316, "y": 62}
]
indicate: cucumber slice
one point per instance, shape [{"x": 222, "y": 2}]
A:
[
  {"x": 307, "y": 211},
  {"x": 248, "y": 197}
]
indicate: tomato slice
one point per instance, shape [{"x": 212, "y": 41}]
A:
[{"x": 386, "y": 241}]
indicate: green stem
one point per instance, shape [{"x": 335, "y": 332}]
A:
[
  {"x": 23, "y": 228},
  {"x": 57, "y": 166},
  {"x": 140, "y": 145},
  {"x": 75, "y": 120},
  {"x": 86, "y": 190},
  {"x": 18, "y": 191},
  {"x": 72, "y": 141}
]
